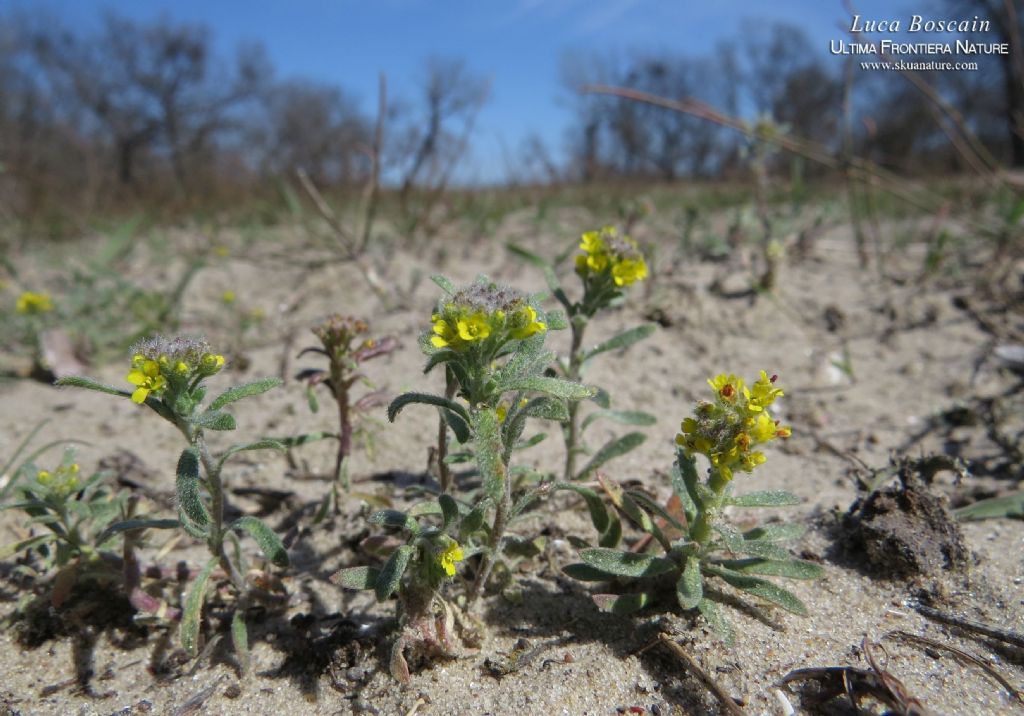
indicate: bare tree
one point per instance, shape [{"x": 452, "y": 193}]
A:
[{"x": 435, "y": 130}]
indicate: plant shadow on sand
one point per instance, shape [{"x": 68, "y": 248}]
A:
[
  {"x": 553, "y": 616},
  {"x": 89, "y": 612}
]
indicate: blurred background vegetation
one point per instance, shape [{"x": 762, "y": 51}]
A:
[{"x": 138, "y": 117}]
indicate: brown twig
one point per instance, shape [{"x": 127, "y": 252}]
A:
[
  {"x": 1003, "y": 635},
  {"x": 962, "y": 656},
  {"x": 730, "y": 706}
]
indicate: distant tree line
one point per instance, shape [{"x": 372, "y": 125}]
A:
[
  {"x": 150, "y": 113},
  {"x": 778, "y": 72}
]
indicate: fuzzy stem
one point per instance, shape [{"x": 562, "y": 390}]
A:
[
  {"x": 494, "y": 544},
  {"x": 701, "y": 530},
  {"x": 444, "y": 472},
  {"x": 216, "y": 487},
  {"x": 571, "y": 431}
]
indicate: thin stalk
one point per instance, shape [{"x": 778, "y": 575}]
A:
[
  {"x": 216, "y": 487},
  {"x": 571, "y": 431},
  {"x": 702, "y": 526},
  {"x": 494, "y": 544},
  {"x": 444, "y": 472}
]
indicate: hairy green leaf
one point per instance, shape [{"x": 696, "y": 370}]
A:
[
  {"x": 790, "y": 568},
  {"x": 270, "y": 544},
  {"x": 547, "y": 408},
  {"x": 598, "y": 512},
  {"x": 190, "y": 501},
  {"x": 557, "y": 387},
  {"x": 689, "y": 588},
  {"x": 391, "y": 574},
  {"x": 356, "y": 577},
  {"x": 193, "y": 611},
  {"x": 622, "y": 340},
  {"x": 764, "y": 498},
  {"x": 449, "y": 509},
  {"x": 214, "y": 420},
  {"x": 759, "y": 588},
  {"x": 426, "y": 399},
  {"x": 396, "y": 519},
  {"x": 243, "y": 391},
  {"x": 133, "y": 525},
  {"x": 612, "y": 449},
  {"x": 488, "y": 446},
  {"x": 775, "y": 533},
  {"x": 265, "y": 444},
  {"x": 626, "y": 564},
  {"x": 626, "y": 417},
  {"x": 444, "y": 283},
  {"x": 240, "y": 638},
  {"x": 75, "y": 381},
  {"x": 622, "y": 604},
  {"x": 717, "y": 620},
  {"x": 457, "y": 424},
  {"x": 26, "y": 544},
  {"x": 1011, "y": 505}
]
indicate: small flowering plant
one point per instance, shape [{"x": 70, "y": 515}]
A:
[
  {"x": 343, "y": 344},
  {"x": 74, "y": 511},
  {"x": 34, "y": 312},
  {"x": 607, "y": 264},
  {"x": 701, "y": 550},
  {"x": 168, "y": 376},
  {"x": 420, "y": 557},
  {"x": 490, "y": 339}
]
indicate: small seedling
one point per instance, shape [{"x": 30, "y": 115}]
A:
[{"x": 345, "y": 351}]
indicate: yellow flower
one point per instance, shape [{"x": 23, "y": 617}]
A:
[
  {"x": 228, "y": 297},
  {"x": 727, "y": 387},
  {"x": 528, "y": 316},
  {"x": 728, "y": 430},
  {"x": 147, "y": 379},
  {"x": 629, "y": 271},
  {"x": 447, "y": 559},
  {"x": 30, "y": 302},
  {"x": 444, "y": 334},
  {"x": 473, "y": 327},
  {"x": 211, "y": 363},
  {"x": 763, "y": 393}
]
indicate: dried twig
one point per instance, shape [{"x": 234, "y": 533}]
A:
[
  {"x": 1003, "y": 635},
  {"x": 963, "y": 656},
  {"x": 730, "y": 706}
]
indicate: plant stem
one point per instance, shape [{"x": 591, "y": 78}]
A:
[
  {"x": 216, "y": 487},
  {"x": 571, "y": 430},
  {"x": 701, "y": 530},
  {"x": 494, "y": 544},
  {"x": 444, "y": 473}
]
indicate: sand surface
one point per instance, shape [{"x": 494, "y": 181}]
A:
[{"x": 913, "y": 353}]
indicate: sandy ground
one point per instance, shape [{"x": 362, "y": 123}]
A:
[{"x": 913, "y": 355}]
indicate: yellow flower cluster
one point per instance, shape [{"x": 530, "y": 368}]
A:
[
  {"x": 727, "y": 430},
  {"x": 160, "y": 362},
  {"x": 480, "y": 312},
  {"x": 607, "y": 253},
  {"x": 30, "y": 303},
  {"x": 447, "y": 559},
  {"x": 62, "y": 481}
]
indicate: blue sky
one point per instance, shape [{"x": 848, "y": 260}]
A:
[{"x": 518, "y": 44}]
